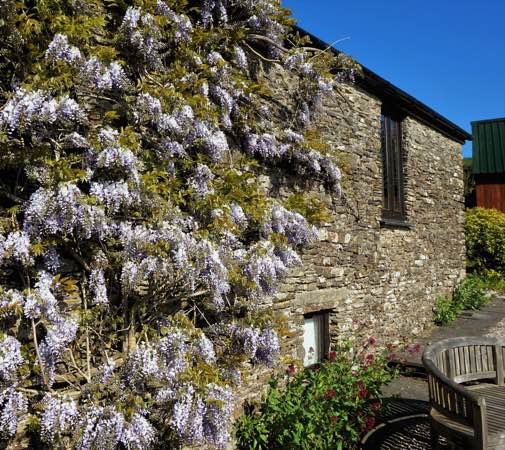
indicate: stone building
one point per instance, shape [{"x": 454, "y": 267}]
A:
[{"x": 396, "y": 238}]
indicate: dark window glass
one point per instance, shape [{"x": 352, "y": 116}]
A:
[{"x": 392, "y": 157}]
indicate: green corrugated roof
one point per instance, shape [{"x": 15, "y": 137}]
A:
[{"x": 489, "y": 146}]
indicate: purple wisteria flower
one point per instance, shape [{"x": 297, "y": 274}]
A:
[
  {"x": 265, "y": 146},
  {"x": 105, "y": 371},
  {"x": 240, "y": 58},
  {"x": 173, "y": 349},
  {"x": 292, "y": 224},
  {"x": 41, "y": 300},
  {"x": 201, "y": 179},
  {"x": 214, "y": 273},
  {"x": 143, "y": 363},
  {"x": 98, "y": 287},
  {"x": 27, "y": 110},
  {"x": 115, "y": 156},
  {"x": 48, "y": 212},
  {"x": 138, "y": 434},
  {"x": 52, "y": 259},
  {"x": 204, "y": 348},
  {"x": 304, "y": 114},
  {"x": 63, "y": 211},
  {"x": 10, "y": 358},
  {"x": 238, "y": 216},
  {"x": 15, "y": 247},
  {"x": 267, "y": 348},
  {"x": 94, "y": 74},
  {"x": 211, "y": 139},
  {"x": 218, "y": 414},
  {"x": 114, "y": 195},
  {"x": 60, "y": 333},
  {"x": 187, "y": 415},
  {"x": 232, "y": 374},
  {"x": 100, "y": 428},
  {"x": 141, "y": 34},
  {"x": 60, "y": 50},
  {"x": 183, "y": 27},
  {"x": 13, "y": 406},
  {"x": 10, "y": 301},
  {"x": 264, "y": 268},
  {"x": 246, "y": 340},
  {"x": 59, "y": 417},
  {"x": 293, "y": 136}
]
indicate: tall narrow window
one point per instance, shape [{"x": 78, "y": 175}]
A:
[
  {"x": 392, "y": 157},
  {"x": 316, "y": 337}
]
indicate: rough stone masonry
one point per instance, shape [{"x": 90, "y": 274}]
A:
[{"x": 375, "y": 280}]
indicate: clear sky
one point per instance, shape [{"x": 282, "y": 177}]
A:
[{"x": 449, "y": 54}]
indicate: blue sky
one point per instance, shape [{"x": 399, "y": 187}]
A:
[{"x": 448, "y": 54}]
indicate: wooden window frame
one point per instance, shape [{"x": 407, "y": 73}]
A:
[
  {"x": 323, "y": 317},
  {"x": 393, "y": 170}
]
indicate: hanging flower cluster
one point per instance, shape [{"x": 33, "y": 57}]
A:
[{"x": 139, "y": 249}]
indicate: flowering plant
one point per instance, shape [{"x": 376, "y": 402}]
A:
[
  {"x": 327, "y": 407},
  {"x": 138, "y": 247}
]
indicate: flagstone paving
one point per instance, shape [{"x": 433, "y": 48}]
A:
[{"x": 489, "y": 321}]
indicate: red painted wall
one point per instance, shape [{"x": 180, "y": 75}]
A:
[{"x": 491, "y": 195}]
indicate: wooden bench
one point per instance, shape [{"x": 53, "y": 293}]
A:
[{"x": 467, "y": 392}]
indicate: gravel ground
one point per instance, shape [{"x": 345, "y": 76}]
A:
[{"x": 498, "y": 330}]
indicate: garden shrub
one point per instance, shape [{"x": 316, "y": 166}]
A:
[
  {"x": 469, "y": 294},
  {"x": 485, "y": 240},
  {"x": 139, "y": 248},
  {"x": 445, "y": 311},
  {"x": 492, "y": 280},
  {"x": 328, "y": 407}
]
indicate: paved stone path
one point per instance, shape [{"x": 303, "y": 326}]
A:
[
  {"x": 490, "y": 320},
  {"x": 405, "y": 422}
]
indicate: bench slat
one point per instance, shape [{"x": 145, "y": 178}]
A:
[{"x": 475, "y": 411}]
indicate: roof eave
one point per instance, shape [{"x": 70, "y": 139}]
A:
[{"x": 387, "y": 92}]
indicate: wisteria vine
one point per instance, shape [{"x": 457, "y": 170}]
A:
[{"x": 139, "y": 249}]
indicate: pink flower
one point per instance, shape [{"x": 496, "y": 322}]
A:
[
  {"x": 332, "y": 356},
  {"x": 369, "y": 423},
  {"x": 362, "y": 390},
  {"x": 369, "y": 359},
  {"x": 330, "y": 393},
  {"x": 291, "y": 370},
  {"x": 372, "y": 341},
  {"x": 375, "y": 406},
  {"x": 334, "y": 420}
]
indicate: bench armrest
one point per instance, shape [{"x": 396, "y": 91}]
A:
[{"x": 450, "y": 397}]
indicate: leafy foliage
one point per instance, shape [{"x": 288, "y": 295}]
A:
[
  {"x": 327, "y": 407},
  {"x": 138, "y": 247},
  {"x": 485, "y": 239},
  {"x": 445, "y": 311},
  {"x": 469, "y": 295}
]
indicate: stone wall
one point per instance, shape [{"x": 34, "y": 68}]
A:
[{"x": 377, "y": 280}]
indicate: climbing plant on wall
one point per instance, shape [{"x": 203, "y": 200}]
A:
[{"x": 138, "y": 248}]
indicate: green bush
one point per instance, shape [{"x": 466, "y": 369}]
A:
[
  {"x": 485, "y": 240},
  {"x": 445, "y": 311},
  {"x": 493, "y": 280},
  {"x": 469, "y": 294},
  {"x": 328, "y": 407}
]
